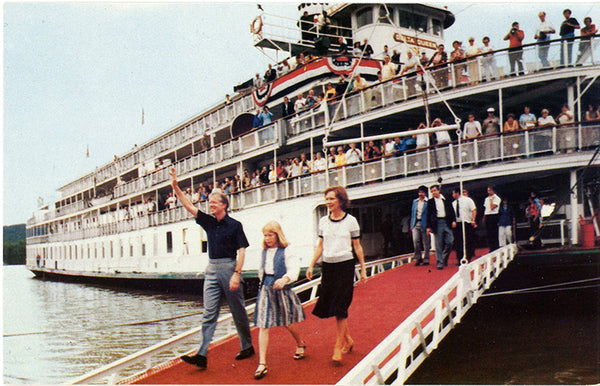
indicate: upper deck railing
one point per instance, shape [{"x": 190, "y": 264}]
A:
[
  {"x": 489, "y": 149},
  {"x": 484, "y": 67}
]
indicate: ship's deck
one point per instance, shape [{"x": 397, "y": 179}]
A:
[{"x": 378, "y": 307}]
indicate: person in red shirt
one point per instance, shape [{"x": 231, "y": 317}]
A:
[{"x": 515, "y": 51}]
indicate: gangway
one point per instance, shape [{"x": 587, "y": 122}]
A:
[{"x": 398, "y": 318}]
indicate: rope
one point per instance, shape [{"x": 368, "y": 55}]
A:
[
  {"x": 547, "y": 288},
  {"x": 362, "y": 54},
  {"x": 107, "y": 327}
]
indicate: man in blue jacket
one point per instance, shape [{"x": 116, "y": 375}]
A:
[{"x": 418, "y": 227}]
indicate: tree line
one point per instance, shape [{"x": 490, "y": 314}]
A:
[{"x": 13, "y": 252}]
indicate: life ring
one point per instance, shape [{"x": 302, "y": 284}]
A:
[{"x": 256, "y": 25}]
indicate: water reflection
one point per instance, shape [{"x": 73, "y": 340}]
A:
[{"x": 55, "y": 331}]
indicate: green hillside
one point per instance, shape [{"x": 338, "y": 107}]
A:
[{"x": 14, "y": 244}]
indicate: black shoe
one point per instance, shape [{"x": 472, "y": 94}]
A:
[
  {"x": 417, "y": 263},
  {"x": 245, "y": 353},
  {"x": 196, "y": 360},
  {"x": 426, "y": 262},
  {"x": 440, "y": 267}
]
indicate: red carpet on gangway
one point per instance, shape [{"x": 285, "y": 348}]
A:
[{"x": 378, "y": 307}]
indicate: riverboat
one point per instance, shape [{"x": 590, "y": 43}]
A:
[{"x": 114, "y": 224}]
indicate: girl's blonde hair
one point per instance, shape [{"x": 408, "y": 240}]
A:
[{"x": 273, "y": 226}]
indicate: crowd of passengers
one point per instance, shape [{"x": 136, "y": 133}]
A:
[
  {"x": 353, "y": 153},
  {"x": 466, "y": 68},
  {"x": 393, "y": 66},
  {"x": 465, "y": 65}
]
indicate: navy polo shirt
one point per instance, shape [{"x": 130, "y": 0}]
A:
[{"x": 225, "y": 237}]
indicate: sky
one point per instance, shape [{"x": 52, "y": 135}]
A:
[{"x": 78, "y": 75}]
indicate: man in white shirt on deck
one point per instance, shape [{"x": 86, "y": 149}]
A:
[
  {"x": 353, "y": 155},
  {"x": 389, "y": 146},
  {"x": 388, "y": 70},
  {"x": 491, "y": 207},
  {"x": 466, "y": 212},
  {"x": 542, "y": 35},
  {"x": 319, "y": 163},
  {"x": 410, "y": 66},
  {"x": 299, "y": 104},
  {"x": 472, "y": 128}
]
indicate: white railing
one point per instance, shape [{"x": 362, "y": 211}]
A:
[
  {"x": 163, "y": 353},
  {"x": 244, "y": 144},
  {"x": 486, "y": 149},
  {"x": 401, "y": 352},
  {"x": 489, "y": 67}
]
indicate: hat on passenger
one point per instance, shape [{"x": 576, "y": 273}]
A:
[{"x": 490, "y": 110}]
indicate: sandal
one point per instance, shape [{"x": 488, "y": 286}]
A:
[
  {"x": 348, "y": 346},
  {"x": 260, "y": 372},
  {"x": 299, "y": 355}
]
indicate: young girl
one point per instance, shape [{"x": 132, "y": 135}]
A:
[{"x": 276, "y": 304}]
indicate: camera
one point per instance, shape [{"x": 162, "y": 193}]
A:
[{"x": 513, "y": 31}]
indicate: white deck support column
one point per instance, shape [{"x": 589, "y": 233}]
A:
[{"x": 574, "y": 209}]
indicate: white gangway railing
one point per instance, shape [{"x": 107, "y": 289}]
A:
[
  {"x": 162, "y": 354},
  {"x": 401, "y": 352}
]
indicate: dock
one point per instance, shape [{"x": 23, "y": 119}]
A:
[{"x": 379, "y": 309}]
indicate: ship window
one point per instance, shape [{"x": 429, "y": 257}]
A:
[
  {"x": 420, "y": 23},
  {"x": 364, "y": 17},
  {"x": 384, "y": 17},
  {"x": 436, "y": 27},
  {"x": 406, "y": 19},
  {"x": 169, "y": 242},
  {"x": 111, "y": 249},
  {"x": 143, "y": 249},
  {"x": 413, "y": 21},
  {"x": 103, "y": 251},
  {"x": 130, "y": 250}
]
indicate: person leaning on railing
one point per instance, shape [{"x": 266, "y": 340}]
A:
[
  {"x": 510, "y": 141},
  {"x": 585, "y": 44},
  {"x": 567, "y": 33},
  {"x": 457, "y": 56},
  {"x": 592, "y": 114}
]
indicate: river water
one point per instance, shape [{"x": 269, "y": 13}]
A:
[
  {"x": 54, "y": 332},
  {"x": 549, "y": 336}
]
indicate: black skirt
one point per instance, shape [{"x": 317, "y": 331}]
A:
[{"x": 337, "y": 286}]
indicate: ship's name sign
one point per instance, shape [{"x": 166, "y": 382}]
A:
[{"x": 415, "y": 41}]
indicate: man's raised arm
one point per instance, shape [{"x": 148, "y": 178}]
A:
[{"x": 187, "y": 204}]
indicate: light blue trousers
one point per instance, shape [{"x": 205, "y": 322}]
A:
[{"x": 216, "y": 285}]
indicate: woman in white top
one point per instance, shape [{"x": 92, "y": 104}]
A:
[
  {"x": 277, "y": 304},
  {"x": 546, "y": 119},
  {"x": 339, "y": 237}
]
